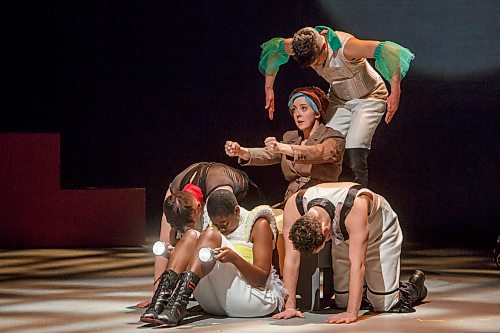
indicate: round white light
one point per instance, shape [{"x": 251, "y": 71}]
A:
[
  {"x": 159, "y": 248},
  {"x": 205, "y": 255}
]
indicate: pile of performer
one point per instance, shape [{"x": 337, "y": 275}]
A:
[{"x": 202, "y": 215}]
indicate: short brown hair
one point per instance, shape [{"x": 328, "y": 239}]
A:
[
  {"x": 306, "y": 235},
  {"x": 179, "y": 208},
  {"x": 306, "y": 46}
]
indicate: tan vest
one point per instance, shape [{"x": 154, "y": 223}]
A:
[{"x": 350, "y": 79}]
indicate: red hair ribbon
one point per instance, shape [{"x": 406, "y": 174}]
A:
[{"x": 194, "y": 190}]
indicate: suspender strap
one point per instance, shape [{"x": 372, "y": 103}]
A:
[
  {"x": 325, "y": 204},
  {"x": 299, "y": 201},
  {"x": 346, "y": 208},
  {"x": 330, "y": 207}
]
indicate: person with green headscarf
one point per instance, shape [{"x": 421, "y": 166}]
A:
[{"x": 358, "y": 96}]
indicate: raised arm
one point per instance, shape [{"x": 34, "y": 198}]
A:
[
  {"x": 291, "y": 263},
  {"x": 358, "y": 228},
  {"x": 391, "y": 60}
]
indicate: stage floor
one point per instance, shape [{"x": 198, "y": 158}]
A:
[{"x": 47, "y": 290}]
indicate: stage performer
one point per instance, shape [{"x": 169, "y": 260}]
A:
[
  {"x": 238, "y": 282},
  {"x": 358, "y": 96},
  {"x": 366, "y": 247},
  {"x": 184, "y": 204},
  {"x": 309, "y": 155}
]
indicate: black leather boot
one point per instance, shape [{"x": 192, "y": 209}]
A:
[
  {"x": 417, "y": 279},
  {"x": 168, "y": 281},
  {"x": 411, "y": 293},
  {"x": 176, "y": 309},
  {"x": 355, "y": 166}
]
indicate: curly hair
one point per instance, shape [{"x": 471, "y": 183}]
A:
[
  {"x": 306, "y": 45},
  {"x": 306, "y": 235},
  {"x": 221, "y": 203},
  {"x": 316, "y": 94},
  {"x": 179, "y": 208}
]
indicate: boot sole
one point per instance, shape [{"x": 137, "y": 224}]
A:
[
  {"x": 153, "y": 321},
  {"x": 158, "y": 322}
]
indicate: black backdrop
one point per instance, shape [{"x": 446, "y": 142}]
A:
[{"x": 141, "y": 89}]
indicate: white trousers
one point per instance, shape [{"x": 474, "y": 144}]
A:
[
  {"x": 224, "y": 292},
  {"x": 356, "y": 119},
  {"x": 382, "y": 262}
]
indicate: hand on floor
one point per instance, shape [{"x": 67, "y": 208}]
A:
[
  {"x": 289, "y": 313},
  {"x": 342, "y": 318},
  {"x": 143, "y": 304}
]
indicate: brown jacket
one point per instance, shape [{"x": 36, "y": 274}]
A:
[{"x": 319, "y": 160}]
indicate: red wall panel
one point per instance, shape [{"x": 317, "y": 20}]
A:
[{"x": 36, "y": 212}]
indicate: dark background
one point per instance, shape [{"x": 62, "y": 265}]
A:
[{"x": 139, "y": 90}]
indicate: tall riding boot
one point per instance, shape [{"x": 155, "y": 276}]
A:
[
  {"x": 176, "y": 308},
  {"x": 355, "y": 165},
  {"x": 168, "y": 281},
  {"x": 411, "y": 293}
]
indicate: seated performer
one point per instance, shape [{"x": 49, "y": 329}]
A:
[
  {"x": 240, "y": 282},
  {"x": 366, "y": 246},
  {"x": 358, "y": 96},
  {"x": 310, "y": 155},
  {"x": 183, "y": 208}
]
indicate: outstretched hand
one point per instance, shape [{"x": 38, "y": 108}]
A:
[
  {"x": 342, "y": 318},
  {"x": 270, "y": 102},
  {"x": 272, "y": 145},
  {"x": 289, "y": 313},
  {"x": 232, "y": 148}
]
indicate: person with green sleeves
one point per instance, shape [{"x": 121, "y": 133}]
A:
[{"x": 358, "y": 96}]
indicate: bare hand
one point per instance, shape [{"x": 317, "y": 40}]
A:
[
  {"x": 272, "y": 145},
  {"x": 270, "y": 102},
  {"x": 392, "y": 106},
  {"x": 232, "y": 148},
  {"x": 168, "y": 251},
  {"x": 342, "y": 318},
  {"x": 143, "y": 304},
  {"x": 226, "y": 255},
  {"x": 289, "y": 313}
]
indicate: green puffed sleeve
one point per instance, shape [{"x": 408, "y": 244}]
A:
[
  {"x": 333, "y": 39},
  {"x": 273, "y": 56},
  {"x": 390, "y": 58}
]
